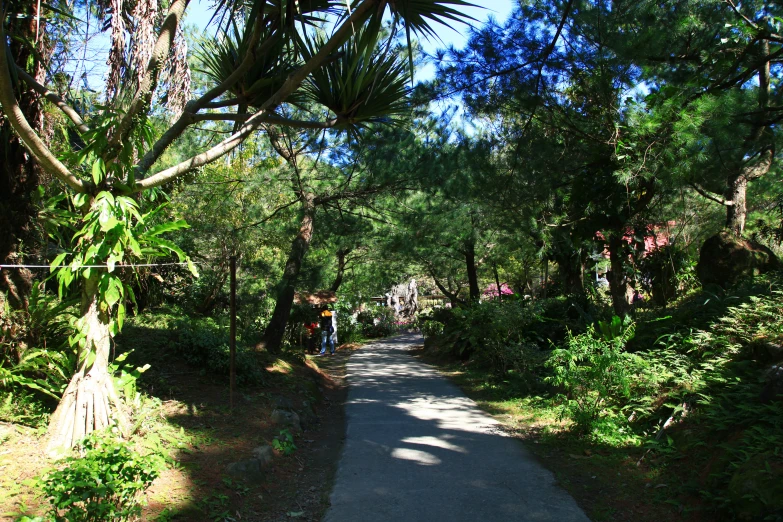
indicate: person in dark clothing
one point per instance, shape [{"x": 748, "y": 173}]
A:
[{"x": 326, "y": 330}]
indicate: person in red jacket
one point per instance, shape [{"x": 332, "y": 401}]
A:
[{"x": 311, "y": 327}]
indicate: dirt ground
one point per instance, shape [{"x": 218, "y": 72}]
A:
[{"x": 198, "y": 419}]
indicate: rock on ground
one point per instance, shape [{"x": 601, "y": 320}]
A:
[
  {"x": 252, "y": 470},
  {"x": 287, "y": 419},
  {"x": 725, "y": 258}
]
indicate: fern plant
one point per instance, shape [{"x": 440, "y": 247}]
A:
[{"x": 592, "y": 372}]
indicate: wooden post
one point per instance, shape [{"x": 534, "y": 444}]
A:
[
  {"x": 497, "y": 280},
  {"x": 233, "y": 332}
]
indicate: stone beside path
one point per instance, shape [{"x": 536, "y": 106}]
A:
[{"x": 417, "y": 449}]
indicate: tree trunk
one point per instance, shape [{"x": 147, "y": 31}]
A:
[
  {"x": 273, "y": 336},
  {"x": 737, "y": 211},
  {"x": 338, "y": 280},
  {"x": 571, "y": 270},
  {"x": 619, "y": 286},
  {"x": 90, "y": 401},
  {"x": 19, "y": 173},
  {"x": 545, "y": 277},
  {"x": 470, "y": 262},
  {"x": 761, "y": 139}
]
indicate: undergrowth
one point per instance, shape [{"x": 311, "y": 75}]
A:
[
  {"x": 103, "y": 481},
  {"x": 162, "y": 336}
]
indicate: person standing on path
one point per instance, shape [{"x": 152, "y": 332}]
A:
[
  {"x": 327, "y": 329},
  {"x": 311, "y": 327}
]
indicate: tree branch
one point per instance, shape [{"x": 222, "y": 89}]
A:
[
  {"x": 199, "y": 160},
  {"x": 323, "y": 54},
  {"x": 363, "y": 216},
  {"x": 322, "y": 200},
  {"x": 193, "y": 106},
  {"x": 289, "y": 86},
  {"x": 453, "y": 297},
  {"x": 221, "y": 104},
  {"x": 745, "y": 75},
  {"x": 270, "y": 118},
  {"x": 704, "y": 193},
  {"x": 219, "y": 116},
  {"x": 302, "y": 124},
  {"x": 240, "y": 71},
  {"x": 22, "y": 127},
  {"x": 55, "y": 99},
  {"x": 270, "y": 216},
  {"x": 739, "y": 13}
]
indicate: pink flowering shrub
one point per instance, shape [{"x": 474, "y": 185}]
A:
[{"x": 492, "y": 290}]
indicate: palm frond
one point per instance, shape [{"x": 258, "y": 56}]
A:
[
  {"x": 277, "y": 13},
  {"x": 365, "y": 83},
  {"x": 274, "y": 61},
  {"x": 419, "y": 15}
]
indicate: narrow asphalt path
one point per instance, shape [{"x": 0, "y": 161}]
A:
[{"x": 417, "y": 449}]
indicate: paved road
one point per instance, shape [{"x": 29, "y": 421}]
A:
[{"x": 417, "y": 449}]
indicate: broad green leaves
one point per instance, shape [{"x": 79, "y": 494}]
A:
[{"x": 114, "y": 235}]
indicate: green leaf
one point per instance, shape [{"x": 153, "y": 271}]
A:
[
  {"x": 57, "y": 260},
  {"x": 79, "y": 200},
  {"x": 107, "y": 221},
  {"x": 167, "y": 227},
  {"x": 420, "y": 15},
  {"x": 113, "y": 289},
  {"x": 134, "y": 246},
  {"x": 192, "y": 268},
  {"x": 98, "y": 171},
  {"x": 65, "y": 14},
  {"x": 120, "y": 315},
  {"x": 112, "y": 261},
  {"x": 168, "y": 245},
  {"x": 105, "y": 196}
]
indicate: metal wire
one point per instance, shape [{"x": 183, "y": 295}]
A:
[{"x": 98, "y": 266}]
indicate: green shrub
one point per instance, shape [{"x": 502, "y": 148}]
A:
[
  {"x": 103, "y": 483},
  {"x": 34, "y": 351},
  {"x": 430, "y": 328},
  {"x": 22, "y": 407},
  {"x": 664, "y": 272},
  {"x": 503, "y": 335},
  {"x": 594, "y": 373},
  {"x": 377, "y": 322},
  {"x": 295, "y": 330},
  {"x": 284, "y": 442},
  {"x": 204, "y": 344},
  {"x": 348, "y": 328},
  {"x": 689, "y": 386}
]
